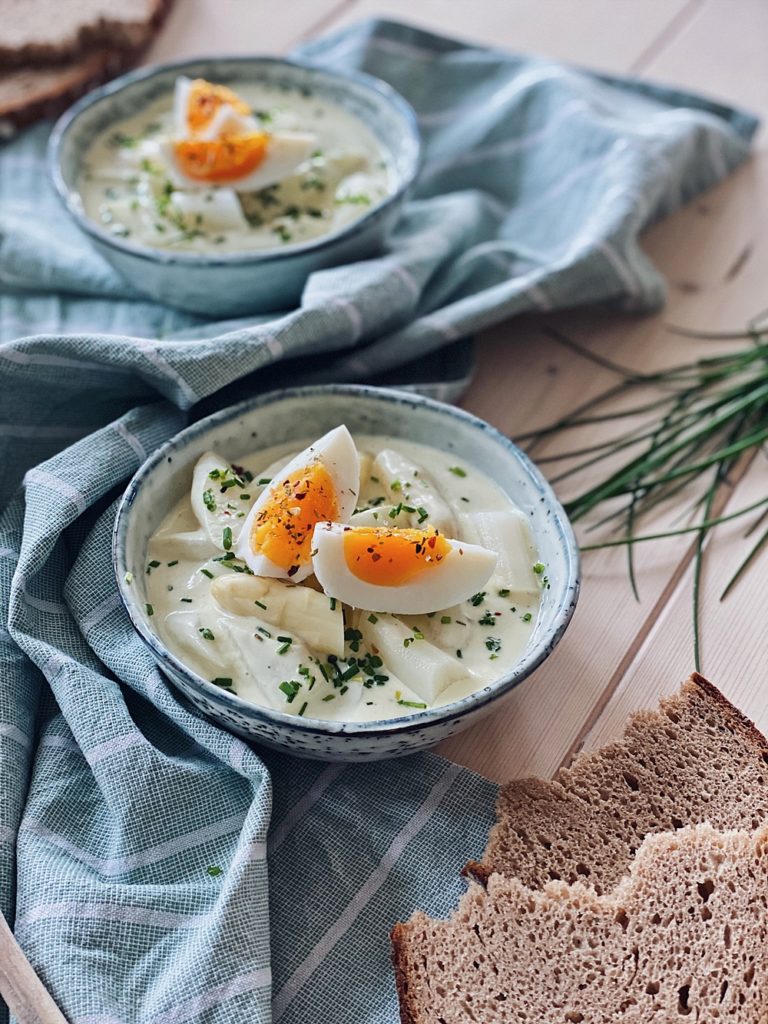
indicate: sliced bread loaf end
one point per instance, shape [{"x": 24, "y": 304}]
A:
[
  {"x": 695, "y": 759},
  {"x": 39, "y": 32},
  {"x": 684, "y": 935}
]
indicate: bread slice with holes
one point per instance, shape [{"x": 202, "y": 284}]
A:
[
  {"x": 695, "y": 759},
  {"x": 684, "y": 935}
]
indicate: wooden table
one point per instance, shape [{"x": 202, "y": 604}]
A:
[{"x": 618, "y": 654}]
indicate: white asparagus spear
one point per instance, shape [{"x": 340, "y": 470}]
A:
[{"x": 296, "y": 610}]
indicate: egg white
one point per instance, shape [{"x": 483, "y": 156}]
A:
[
  {"x": 285, "y": 151},
  {"x": 337, "y": 453},
  {"x": 462, "y": 572}
]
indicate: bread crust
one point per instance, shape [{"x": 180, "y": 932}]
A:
[
  {"x": 400, "y": 963},
  {"x": 729, "y": 711}
]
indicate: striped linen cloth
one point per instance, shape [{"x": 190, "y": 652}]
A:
[{"x": 156, "y": 868}]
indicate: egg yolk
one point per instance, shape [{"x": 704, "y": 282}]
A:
[
  {"x": 221, "y": 160},
  {"x": 205, "y": 99},
  {"x": 390, "y": 557},
  {"x": 282, "y": 530}
]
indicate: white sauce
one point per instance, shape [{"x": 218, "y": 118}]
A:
[
  {"x": 125, "y": 186},
  {"x": 478, "y": 641}
]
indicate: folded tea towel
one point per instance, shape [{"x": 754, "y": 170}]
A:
[{"x": 138, "y": 841}]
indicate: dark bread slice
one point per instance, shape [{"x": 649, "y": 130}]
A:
[
  {"x": 27, "y": 94},
  {"x": 31, "y": 89},
  {"x": 34, "y": 32},
  {"x": 695, "y": 759},
  {"x": 684, "y": 935}
]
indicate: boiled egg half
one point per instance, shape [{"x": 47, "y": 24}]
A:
[
  {"x": 407, "y": 571},
  {"x": 204, "y": 110},
  {"x": 218, "y": 142},
  {"x": 319, "y": 484}
]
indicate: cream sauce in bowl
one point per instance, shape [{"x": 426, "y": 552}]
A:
[
  {"x": 299, "y": 649},
  {"x": 285, "y": 167}
]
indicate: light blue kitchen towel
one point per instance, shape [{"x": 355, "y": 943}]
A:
[{"x": 156, "y": 868}]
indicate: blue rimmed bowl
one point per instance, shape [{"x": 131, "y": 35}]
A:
[
  {"x": 237, "y": 283},
  {"x": 299, "y": 416}
]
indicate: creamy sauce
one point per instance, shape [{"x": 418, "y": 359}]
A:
[
  {"x": 125, "y": 185},
  {"x": 391, "y": 665}
]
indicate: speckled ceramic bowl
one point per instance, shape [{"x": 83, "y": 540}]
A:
[
  {"x": 299, "y": 416},
  {"x": 238, "y": 283}
]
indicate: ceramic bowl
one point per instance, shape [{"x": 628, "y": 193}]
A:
[
  {"x": 297, "y": 417},
  {"x": 235, "y": 284}
]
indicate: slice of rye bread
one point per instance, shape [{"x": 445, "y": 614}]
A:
[
  {"x": 47, "y": 31},
  {"x": 685, "y": 935},
  {"x": 31, "y": 89},
  {"x": 695, "y": 759},
  {"x": 27, "y": 94}
]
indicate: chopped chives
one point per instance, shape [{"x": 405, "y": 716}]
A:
[
  {"x": 459, "y": 654},
  {"x": 261, "y": 604},
  {"x": 373, "y": 618},
  {"x": 266, "y": 632},
  {"x": 478, "y": 598},
  {"x": 330, "y": 696},
  {"x": 174, "y": 562},
  {"x": 245, "y": 497},
  {"x": 207, "y": 572},
  {"x": 423, "y": 514},
  {"x": 504, "y": 592},
  {"x": 150, "y": 609},
  {"x": 209, "y": 501},
  {"x": 222, "y": 681},
  {"x": 527, "y": 617},
  {"x": 265, "y": 480},
  {"x": 538, "y": 568},
  {"x": 206, "y": 633},
  {"x": 445, "y": 619},
  {"x": 290, "y": 688},
  {"x": 186, "y": 600},
  {"x": 226, "y": 538},
  {"x": 411, "y": 704},
  {"x": 457, "y": 471},
  {"x": 303, "y": 707},
  {"x": 333, "y": 604}
]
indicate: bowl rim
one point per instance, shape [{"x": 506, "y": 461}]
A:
[
  {"x": 384, "y": 727},
  {"x": 192, "y": 259}
]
